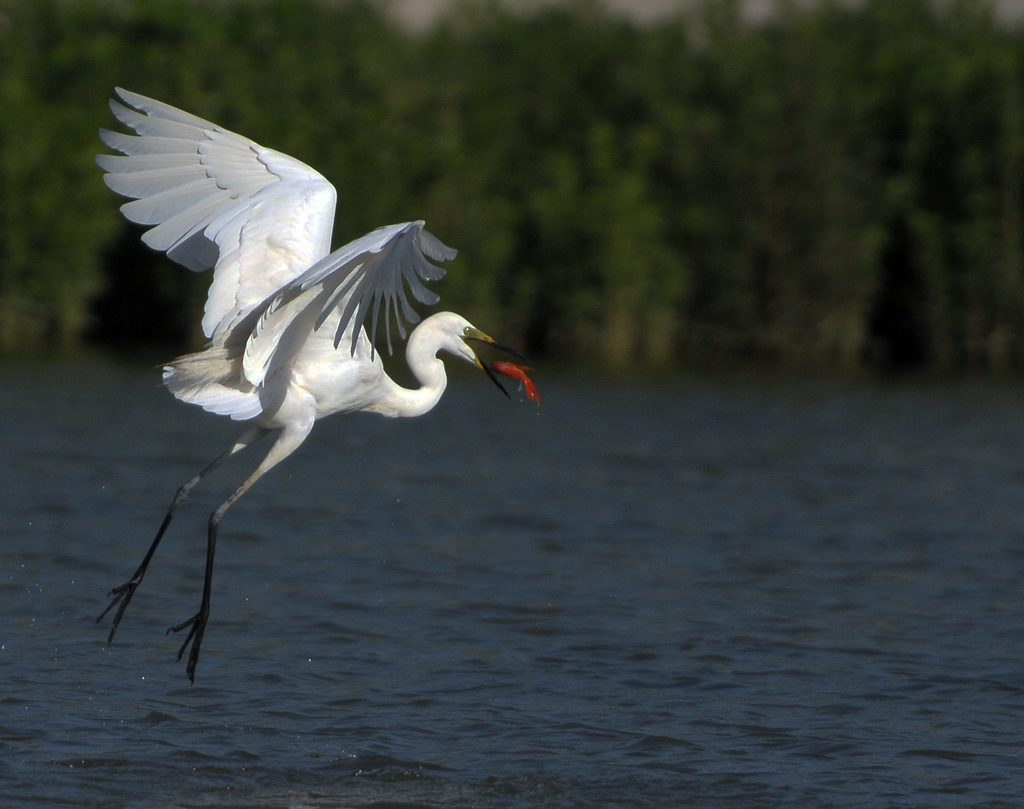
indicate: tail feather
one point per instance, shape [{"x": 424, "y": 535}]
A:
[{"x": 212, "y": 378}]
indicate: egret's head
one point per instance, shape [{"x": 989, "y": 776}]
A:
[{"x": 461, "y": 333}]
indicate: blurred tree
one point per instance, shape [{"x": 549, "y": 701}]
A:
[
  {"x": 837, "y": 184},
  {"x": 49, "y": 245}
]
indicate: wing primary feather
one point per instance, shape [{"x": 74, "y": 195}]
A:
[
  {"x": 158, "y": 109},
  {"x": 136, "y": 145},
  {"x": 434, "y": 248},
  {"x": 147, "y": 182},
  {"x": 141, "y": 164},
  {"x": 333, "y": 301},
  {"x": 373, "y": 329},
  {"x": 216, "y": 198},
  {"x": 147, "y": 125},
  {"x": 159, "y": 207},
  {"x": 377, "y": 278}
]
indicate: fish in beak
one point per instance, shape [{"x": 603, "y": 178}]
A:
[{"x": 504, "y": 368}]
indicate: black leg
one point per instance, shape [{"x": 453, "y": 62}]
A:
[
  {"x": 287, "y": 441},
  {"x": 122, "y": 594},
  {"x": 196, "y": 625}
]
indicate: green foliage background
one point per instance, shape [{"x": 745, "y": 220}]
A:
[{"x": 834, "y": 188}]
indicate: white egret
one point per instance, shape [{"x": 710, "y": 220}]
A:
[{"x": 284, "y": 315}]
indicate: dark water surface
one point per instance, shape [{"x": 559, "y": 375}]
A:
[{"x": 708, "y": 594}]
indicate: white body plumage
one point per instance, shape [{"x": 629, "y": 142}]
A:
[{"x": 286, "y": 317}]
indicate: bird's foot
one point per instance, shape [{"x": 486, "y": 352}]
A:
[
  {"x": 196, "y": 626},
  {"x": 122, "y": 594}
]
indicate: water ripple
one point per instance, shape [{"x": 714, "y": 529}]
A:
[{"x": 720, "y": 595}]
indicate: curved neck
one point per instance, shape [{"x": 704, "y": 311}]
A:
[{"x": 421, "y": 357}]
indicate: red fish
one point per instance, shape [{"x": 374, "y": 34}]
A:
[{"x": 517, "y": 372}]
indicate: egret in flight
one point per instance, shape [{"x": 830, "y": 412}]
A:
[{"x": 286, "y": 318}]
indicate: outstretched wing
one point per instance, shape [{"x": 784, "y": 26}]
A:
[
  {"x": 217, "y": 199},
  {"x": 366, "y": 275}
]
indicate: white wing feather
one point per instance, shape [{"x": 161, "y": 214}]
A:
[
  {"x": 217, "y": 199},
  {"x": 365, "y": 275},
  {"x": 264, "y": 221}
]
